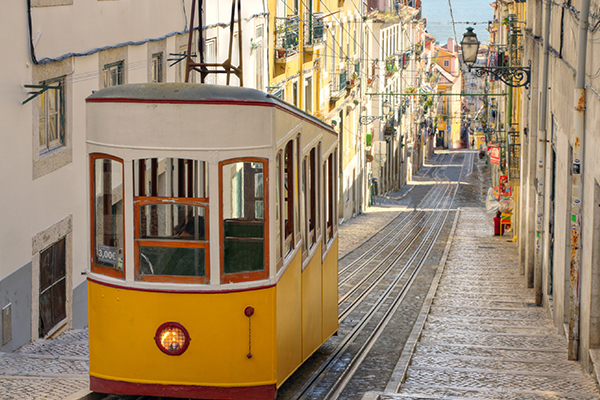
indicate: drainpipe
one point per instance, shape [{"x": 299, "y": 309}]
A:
[
  {"x": 541, "y": 176},
  {"x": 577, "y": 196}
]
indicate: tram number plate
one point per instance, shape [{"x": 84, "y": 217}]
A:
[{"x": 107, "y": 254}]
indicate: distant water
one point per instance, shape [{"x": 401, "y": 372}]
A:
[{"x": 439, "y": 24}]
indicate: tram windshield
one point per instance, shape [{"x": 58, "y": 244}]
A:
[{"x": 171, "y": 210}]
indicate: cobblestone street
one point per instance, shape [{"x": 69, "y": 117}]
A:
[
  {"x": 484, "y": 337},
  {"x": 47, "y": 369}
]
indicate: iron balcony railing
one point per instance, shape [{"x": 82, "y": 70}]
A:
[
  {"x": 286, "y": 36},
  {"x": 514, "y": 156},
  {"x": 314, "y": 29},
  {"x": 339, "y": 81}
]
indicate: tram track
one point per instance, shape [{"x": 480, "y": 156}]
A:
[
  {"x": 333, "y": 375},
  {"x": 408, "y": 229},
  {"x": 387, "y": 264}
]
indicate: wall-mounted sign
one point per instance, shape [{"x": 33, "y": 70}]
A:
[{"x": 494, "y": 153}]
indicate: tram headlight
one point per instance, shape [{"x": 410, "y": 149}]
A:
[{"x": 172, "y": 338}]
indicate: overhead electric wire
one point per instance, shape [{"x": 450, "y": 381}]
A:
[{"x": 453, "y": 23}]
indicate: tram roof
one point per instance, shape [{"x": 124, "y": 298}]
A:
[{"x": 196, "y": 93}]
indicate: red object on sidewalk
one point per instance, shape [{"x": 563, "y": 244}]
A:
[{"x": 497, "y": 224}]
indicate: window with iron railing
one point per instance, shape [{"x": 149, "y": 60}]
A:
[
  {"x": 339, "y": 81},
  {"x": 286, "y": 36},
  {"x": 514, "y": 156},
  {"x": 314, "y": 29}
]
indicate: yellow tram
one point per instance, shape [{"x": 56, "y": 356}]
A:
[{"x": 213, "y": 259}]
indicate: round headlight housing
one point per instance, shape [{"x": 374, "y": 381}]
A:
[{"x": 172, "y": 338}]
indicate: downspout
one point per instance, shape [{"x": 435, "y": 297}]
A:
[
  {"x": 577, "y": 196},
  {"x": 536, "y": 279}
]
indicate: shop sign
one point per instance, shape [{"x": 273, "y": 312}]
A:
[{"x": 494, "y": 153}]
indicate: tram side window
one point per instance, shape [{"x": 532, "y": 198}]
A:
[
  {"x": 244, "y": 216},
  {"x": 278, "y": 255},
  {"x": 288, "y": 195},
  {"x": 171, "y": 220},
  {"x": 311, "y": 197},
  {"x": 107, "y": 223},
  {"x": 329, "y": 176}
]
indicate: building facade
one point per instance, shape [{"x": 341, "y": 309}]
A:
[
  {"x": 44, "y": 238},
  {"x": 558, "y": 237}
]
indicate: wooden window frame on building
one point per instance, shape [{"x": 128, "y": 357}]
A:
[
  {"x": 157, "y": 68},
  {"x": 211, "y": 52},
  {"x": 114, "y": 70},
  {"x": 308, "y": 94},
  {"x": 41, "y": 242},
  {"x": 53, "y": 284},
  {"x": 295, "y": 94},
  {"x": 259, "y": 58},
  {"x": 53, "y": 89}
]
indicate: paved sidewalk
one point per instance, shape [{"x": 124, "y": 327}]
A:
[
  {"x": 47, "y": 369},
  {"x": 483, "y": 337}
]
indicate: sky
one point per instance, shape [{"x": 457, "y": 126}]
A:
[{"x": 439, "y": 23}]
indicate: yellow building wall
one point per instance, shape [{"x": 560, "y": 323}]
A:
[{"x": 123, "y": 324}]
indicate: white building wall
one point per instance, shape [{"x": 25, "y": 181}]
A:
[{"x": 44, "y": 196}]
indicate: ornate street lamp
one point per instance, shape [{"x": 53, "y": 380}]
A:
[
  {"x": 386, "y": 109},
  {"x": 512, "y": 76}
]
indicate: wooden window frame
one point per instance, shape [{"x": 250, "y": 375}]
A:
[
  {"x": 289, "y": 154},
  {"x": 312, "y": 197},
  {"x": 120, "y": 68},
  {"x": 188, "y": 244},
  {"x": 328, "y": 225},
  {"x": 100, "y": 269},
  {"x": 252, "y": 275},
  {"x": 157, "y": 67},
  {"x": 280, "y": 242},
  {"x": 57, "y": 323},
  {"x": 55, "y": 87}
]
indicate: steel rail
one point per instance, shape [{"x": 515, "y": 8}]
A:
[
  {"x": 385, "y": 237},
  {"x": 404, "y": 247},
  {"x": 347, "y": 374},
  {"x": 349, "y": 338}
]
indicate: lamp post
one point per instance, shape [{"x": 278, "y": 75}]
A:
[
  {"x": 386, "y": 109},
  {"x": 512, "y": 76}
]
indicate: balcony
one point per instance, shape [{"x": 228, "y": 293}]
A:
[
  {"x": 286, "y": 37},
  {"x": 339, "y": 82},
  {"x": 314, "y": 30},
  {"x": 514, "y": 156},
  {"x": 353, "y": 75},
  {"x": 390, "y": 67}
]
